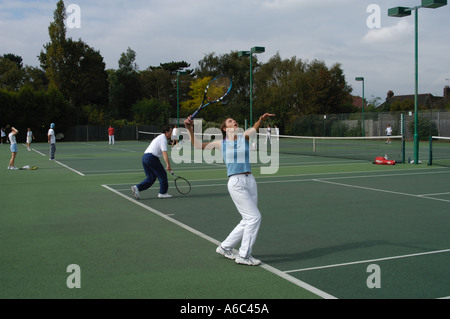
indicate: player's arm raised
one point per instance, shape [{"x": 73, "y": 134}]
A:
[
  {"x": 195, "y": 142},
  {"x": 254, "y": 129}
]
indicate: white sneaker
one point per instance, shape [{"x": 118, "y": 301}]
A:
[
  {"x": 249, "y": 261},
  {"x": 135, "y": 191},
  {"x": 164, "y": 195},
  {"x": 226, "y": 253},
  {"x": 13, "y": 167}
]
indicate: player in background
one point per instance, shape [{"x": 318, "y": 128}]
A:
[
  {"x": 111, "y": 132},
  {"x": 388, "y": 133},
  {"x": 30, "y": 138},
  {"x": 13, "y": 147},
  {"x": 52, "y": 141},
  {"x": 152, "y": 165}
]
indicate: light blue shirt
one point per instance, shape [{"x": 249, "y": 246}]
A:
[{"x": 236, "y": 155}]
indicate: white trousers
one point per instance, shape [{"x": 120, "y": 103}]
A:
[
  {"x": 111, "y": 139},
  {"x": 244, "y": 192}
]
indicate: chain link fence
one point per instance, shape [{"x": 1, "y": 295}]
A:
[{"x": 340, "y": 125}]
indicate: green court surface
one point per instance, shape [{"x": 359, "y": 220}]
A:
[{"x": 327, "y": 224}]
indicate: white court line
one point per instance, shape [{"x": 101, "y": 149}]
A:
[
  {"x": 435, "y": 194},
  {"x": 38, "y": 152},
  {"x": 271, "y": 269},
  {"x": 122, "y": 149},
  {"x": 259, "y": 181},
  {"x": 382, "y": 190},
  {"x": 69, "y": 168},
  {"x": 370, "y": 261},
  {"x": 259, "y": 177}
]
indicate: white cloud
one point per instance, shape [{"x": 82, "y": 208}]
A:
[
  {"x": 398, "y": 32},
  {"x": 160, "y": 31}
]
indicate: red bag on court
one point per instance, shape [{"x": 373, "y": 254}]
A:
[{"x": 380, "y": 160}]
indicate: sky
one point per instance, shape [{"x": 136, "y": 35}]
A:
[{"x": 357, "y": 34}]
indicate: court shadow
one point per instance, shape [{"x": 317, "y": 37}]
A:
[{"x": 319, "y": 252}]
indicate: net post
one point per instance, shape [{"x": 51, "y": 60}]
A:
[
  {"x": 430, "y": 155},
  {"x": 402, "y": 125}
]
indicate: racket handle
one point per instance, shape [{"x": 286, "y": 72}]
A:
[
  {"x": 194, "y": 115},
  {"x": 171, "y": 172}
]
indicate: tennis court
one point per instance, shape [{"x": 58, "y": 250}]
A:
[{"x": 326, "y": 223}]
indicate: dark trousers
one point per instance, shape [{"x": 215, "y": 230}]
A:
[
  {"x": 52, "y": 151},
  {"x": 153, "y": 169}
]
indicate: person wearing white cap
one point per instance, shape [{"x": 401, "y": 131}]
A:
[{"x": 52, "y": 141}]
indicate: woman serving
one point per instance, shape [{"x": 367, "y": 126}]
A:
[{"x": 241, "y": 186}]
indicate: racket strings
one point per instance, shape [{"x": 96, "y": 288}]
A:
[
  {"x": 182, "y": 185},
  {"x": 218, "y": 88}
]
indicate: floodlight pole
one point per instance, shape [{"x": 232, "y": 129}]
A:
[
  {"x": 360, "y": 78},
  {"x": 402, "y": 12},
  {"x": 178, "y": 96},
  {"x": 250, "y": 54},
  {"x": 416, "y": 84}
]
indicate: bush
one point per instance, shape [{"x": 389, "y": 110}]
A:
[{"x": 425, "y": 128}]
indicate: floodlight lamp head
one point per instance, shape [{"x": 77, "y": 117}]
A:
[
  {"x": 433, "y": 4},
  {"x": 243, "y": 53},
  {"x": 258, "y": 49},
  {"x": 399, "y": 12}
]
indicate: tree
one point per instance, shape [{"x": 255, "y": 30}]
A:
[
  {"x": 173, "y": 67},
  {"x": 52, "y": 60},
  {"x": 197, "y": 91},
  {"x": 124, "y": 86},
  {"x": 156, "y": 83},
  {"x": 402, "y": 105},
  {"x": 35, "y": 78},
  {"x": 238, "y": 68},
  {"x": 74, "y": 68},
  {"x": 151, "y": 112},
  {"x": 10, "y": 75},
  {"x": 15, "y": 58},
  {"x": 281, "y": 87},
  {"x": 86, "y": 80},
  {"x": 328, "y": 90}
]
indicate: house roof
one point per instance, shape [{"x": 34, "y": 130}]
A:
[
  {"x": 426, "y": 99},
  {"x": 357, "y": 101}
]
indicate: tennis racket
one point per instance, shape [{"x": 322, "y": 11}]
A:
[
  {"x": 215, "y": 91},
  {"x": 182, "y": 185},
  {"x": 28, "y": 167}
]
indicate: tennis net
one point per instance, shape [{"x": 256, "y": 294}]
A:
[
  {"x": 439, "y": 151},
  {"x": 183, "y": 135},
  {"x": 360, "y": 148},
  {"x": 143, "y": 136}
]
